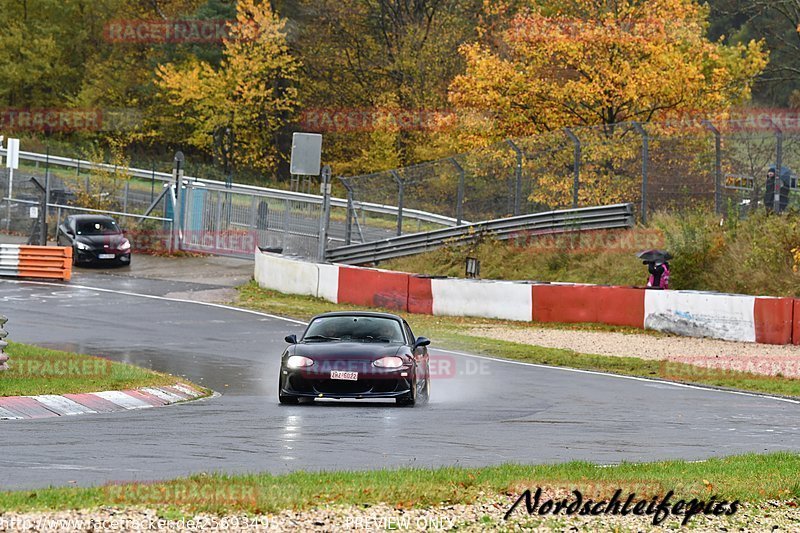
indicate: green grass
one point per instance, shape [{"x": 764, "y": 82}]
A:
[
  {"x": 35, "y": 370},
  {"x": 448, "y": 332},
  {"x": 746, "y": 478}
]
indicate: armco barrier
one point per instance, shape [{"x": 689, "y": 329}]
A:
[
  {"x": 733, "y": 317},
  {"x": 50, "y": 262}
]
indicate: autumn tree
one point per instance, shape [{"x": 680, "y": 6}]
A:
[
  {"x": 386, "y": 56},
  {"x": 252, "y": 91},
  {"x": 587, "y": 62}
]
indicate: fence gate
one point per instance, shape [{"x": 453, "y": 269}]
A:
[{"x": 219, "y": 221}]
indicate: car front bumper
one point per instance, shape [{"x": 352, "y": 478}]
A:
[
  {"x": 93, "y": 256},
  {"x": 305, "y": 384}
]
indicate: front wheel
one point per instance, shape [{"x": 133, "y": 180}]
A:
[
  {"x": 286, "y": 400},
  {"x": 409, "y": 399}
]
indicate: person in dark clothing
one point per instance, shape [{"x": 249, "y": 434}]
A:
[
  {"x": 769, "y": 189},
  {"x": 659, "y": 274}
]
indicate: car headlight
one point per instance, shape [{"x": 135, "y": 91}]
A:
[
  {"x": 82, "y": 246},
  {"x": 124, "y": 245},
  {"x": 298, "y": 361},
  {"x": 388, "y": 362}
]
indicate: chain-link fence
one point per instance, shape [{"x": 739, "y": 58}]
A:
[
  {"x": 723, "y": 166},
  {"x": 719, "y": 165}
]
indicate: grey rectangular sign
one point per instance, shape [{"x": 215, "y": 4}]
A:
[{"x": 306, "y": 154}]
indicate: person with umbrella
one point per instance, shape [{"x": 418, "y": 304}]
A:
[
  {"x": 657, "y": 266},
  {"x": 782, "y": 183}
]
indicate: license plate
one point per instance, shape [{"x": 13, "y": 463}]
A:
[
  {"x": 106, "y": 256},
  {"x": 339, "y": 374}
]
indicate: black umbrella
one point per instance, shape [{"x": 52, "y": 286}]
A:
[{"x": 654, "y": 256}]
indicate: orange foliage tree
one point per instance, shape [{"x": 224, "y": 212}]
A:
[{"x": 597, "y": 63}]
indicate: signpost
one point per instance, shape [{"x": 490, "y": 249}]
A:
[
  {"x": 12, "y": 163},
  {"x": 306, "y": 161}
]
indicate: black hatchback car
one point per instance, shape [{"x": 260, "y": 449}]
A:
[
  {"x": 95, "y": 239},
  {"x": 356, "y": 355}
]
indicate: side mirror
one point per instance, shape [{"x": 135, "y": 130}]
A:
[
  {"x": 291, "y": 339},
  {"x": 421, "y": 341}
]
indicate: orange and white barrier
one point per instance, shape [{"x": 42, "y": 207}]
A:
[
  {"x": 732, "y": 317},
  {"x": 50, "y": 262}
]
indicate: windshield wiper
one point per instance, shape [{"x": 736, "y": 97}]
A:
[
  {"x": 370, "y": 338},
  {"x": 320, "y": 338}
]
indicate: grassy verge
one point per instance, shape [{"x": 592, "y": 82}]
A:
[
  {"x": 448, "y": 331},
  {"x": 746, "y": 478},
  {"x": 35, "y": 370}
]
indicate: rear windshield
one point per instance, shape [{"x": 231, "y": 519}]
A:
[
  {"x": 97, "y": 227},
  {"x": 359, "y": 328}
]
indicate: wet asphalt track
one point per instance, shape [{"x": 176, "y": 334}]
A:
[{"x": 487, "y": 412}]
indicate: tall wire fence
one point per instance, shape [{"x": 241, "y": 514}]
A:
[{"x": 718, "y": 165}]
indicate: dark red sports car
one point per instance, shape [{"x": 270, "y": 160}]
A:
[{"x": 356, "y": 355}]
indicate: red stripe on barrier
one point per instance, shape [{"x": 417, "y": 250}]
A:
[
  {"x": 420, "y": 295},
  {"x": 619, "y": 306},
  {"x": 796, "y": 322},
  {"x": 153, "y": 400},
  {"x": 94, "y": 402},
  {"x": 26, "y": 407},
  {"x": 373, "y": 288},
  {"x": 773, "y": 319}
]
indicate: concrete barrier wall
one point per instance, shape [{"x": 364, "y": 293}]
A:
[
  {"x": 488, "y": 299},
  {"x": 618, "y": 306},
  {"x": 373, "y": 288},
  {"x": 282, "y": 274},
  {"x": 699, "y": 314},
  {"x": 328, "y": 286}
]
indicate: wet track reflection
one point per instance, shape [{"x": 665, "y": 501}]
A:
[{"x": 481, "y": 412}]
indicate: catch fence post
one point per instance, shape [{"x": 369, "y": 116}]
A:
[
  {"x": 3, "y": 343},
  {"x": 400, "y": 200},
  {"x": 576, "y": 166},
  {"x": 460, "y": 195},
  {"x": 645, "y": 157},
  {"x": 517, "y": 177},
  {"x": 717, "y": 165}
]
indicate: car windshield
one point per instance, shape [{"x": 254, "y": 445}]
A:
[
  {"x": 358, "y": 328},
  {"x": 97, "y": 227}
]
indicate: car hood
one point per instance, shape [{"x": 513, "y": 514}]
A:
[
  {"x": 364, "y": 351},
  {"x": 113, "y": 239}
]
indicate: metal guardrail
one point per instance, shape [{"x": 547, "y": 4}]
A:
[
  {"x": 586, "y": 218},
  {"x": 3, "y": 343},
  {"x": 279, "y": 194}
]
